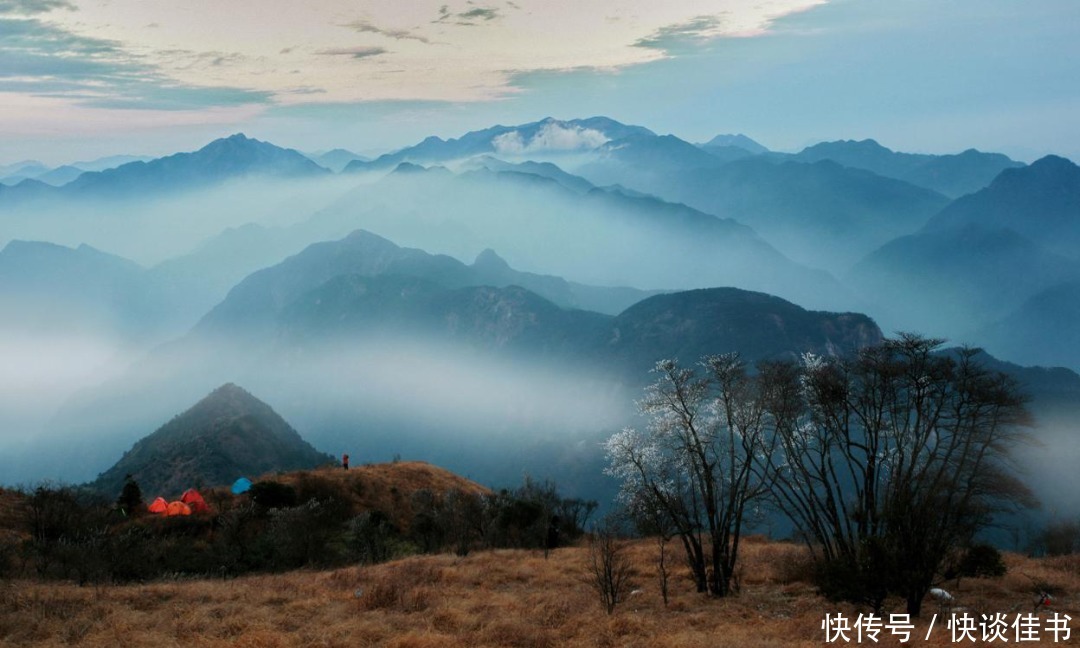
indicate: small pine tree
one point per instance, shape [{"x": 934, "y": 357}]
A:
[{"x": 130, "y": 500}]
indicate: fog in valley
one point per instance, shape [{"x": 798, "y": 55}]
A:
[{"x": 492, "y": 311}]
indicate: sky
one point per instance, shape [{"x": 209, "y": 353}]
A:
[{"x": 87, "y": 78}]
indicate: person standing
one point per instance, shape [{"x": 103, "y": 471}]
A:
[{"x": 345, "y": 461}]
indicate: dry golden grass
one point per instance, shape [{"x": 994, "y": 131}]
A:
[
  {"x": 387, "y": 487},
  {"x": 496, "y": 598}
]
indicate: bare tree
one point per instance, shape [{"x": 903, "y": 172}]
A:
[
  {"x": 609, "y": 567},
  {"x": 890, "y": 460},
  {"x": 694, "y": 466}
]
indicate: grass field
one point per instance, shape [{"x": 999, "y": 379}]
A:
[{"x": 496, "y": 598}]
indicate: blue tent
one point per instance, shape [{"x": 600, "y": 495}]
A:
[{"x": 241, "y": 485}]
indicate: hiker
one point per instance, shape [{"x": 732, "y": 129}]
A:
[{"x": 345, "y": 461}]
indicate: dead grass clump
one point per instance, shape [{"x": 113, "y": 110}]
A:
[
  {"x": 424, "y": 640},
  {"x": 409, "y": 588}
]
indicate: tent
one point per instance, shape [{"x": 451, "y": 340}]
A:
[
  {"x": 241, "y": 485},
  {"x": 193, "y": 499},
  {"x": 178, "y": 508},
  {"x": 159, "y": 506}
]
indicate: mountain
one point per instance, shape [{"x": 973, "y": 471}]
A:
[
  {"x": 982, "y": 257},
  {"x": 226, "y": 435},
  {"x": 539, "y": 169},
  {"x": 646, "y": 162},
  {"x": 1044, "y": 330},
  {"x": 51, "y": 287},
  {"x": 60, "y": 175},
  {"x": 258, "y": 299},
  {"x": 337, "y": 159},
  {"x": 421, "y": 367},
  {"x": 1040, "y": 202},
  {"x": 736, "y": 141},
  {"x": 109, "y": 162},
  {"x": 951, "y": 175},
  {"x": 13, "y": 174},
  {"x": 691, "y": 324},
  {"x": 509, "y": 320},
  {"x": 546, "y": 136},
  {"x": 602, "y": 237},
  {"x": 950, "y": 282},
  {"x": 222, "y": 159},
  {"x": 821, "y": 214}
]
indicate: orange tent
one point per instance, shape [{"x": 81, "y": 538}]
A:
[
  {"x": 178, "y": 508},
  {"x": 159, "y": 506},
  {"x": 192, "y": 498}
]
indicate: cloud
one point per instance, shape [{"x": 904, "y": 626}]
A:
[
  {"x": 467, "y": 18},
  {"x": 364, "y": 26},
  {"x": 354, "y": 52},
  {"x": 32, "y": 7},
  {"x": 479, "y": 12},
  {"x": 42, "y": 59},
  {"x": 552, "y": 136},
  {"x": 690, "y": 33}
]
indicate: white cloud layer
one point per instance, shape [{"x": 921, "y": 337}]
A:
[
  {"x": 444, "y": 50},
  {"x": 551, "y": 137}
]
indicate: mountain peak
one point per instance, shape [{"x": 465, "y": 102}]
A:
[
  {"x": 228, "y": 434},
  {"x": 489, "y": 260},
  {"x": 738, "y": 141}
]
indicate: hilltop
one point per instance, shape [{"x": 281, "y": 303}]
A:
[{"x": 226, "y": 435}]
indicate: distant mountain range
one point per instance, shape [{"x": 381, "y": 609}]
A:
[
  {"x": 951, "y": 175},
  {"x": 222, "y": 159},
  {"x": 46, "y": 287},
  {"x": 983, "y": 256},
  {"x": 546, "y": 136},
  {"x": 337, "y": 159},
  {"x": 226, "y": 435},
  {"x": 820, "y": 214},
  {"x": 536, "y": 274}
]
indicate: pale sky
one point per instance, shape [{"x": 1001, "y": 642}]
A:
[{"x": 85, "y": 78}]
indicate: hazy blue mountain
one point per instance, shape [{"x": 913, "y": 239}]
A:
[
  {"x": 647, "y": 162},
  {"x": 197, "y": 281},
  {"x": 337, "y": 159},
  {"x": 957, "y": 280},
  {"x": 1044, "y": 330},
  {"x": 60, "y": 175},
  {"x": 951, "y": 175},
  {"x": 109, "y": 162},
  {"x": 507, "y": 319},
  {"x": 605, "y": 237},
  {"x": 820, "y": 214},
  {"x": 545, "y": 136},
  {"x": 1040, "y": 201},
  {"x": 13, "y": 174},
  {"x": 541, "y": 169},
  {"x": 253, "y": 304},
  {"x": 736, "y": 141},
  {"x": 222, "y": 159},
  {"x": 46, "y": 287},
  {"x": 226, "y": 435},
  {"x": 22, "y": 167}
]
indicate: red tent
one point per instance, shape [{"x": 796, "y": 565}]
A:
[
  {"x": 178, "y": 508},
  {"x": 192, "y": 498},
  {"x": 159, "y": 506}
]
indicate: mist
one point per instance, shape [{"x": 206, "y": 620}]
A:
[{"x": 374, "y": 398}]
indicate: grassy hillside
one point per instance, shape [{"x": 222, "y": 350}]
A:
[{"x": 495, "y": 598}]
